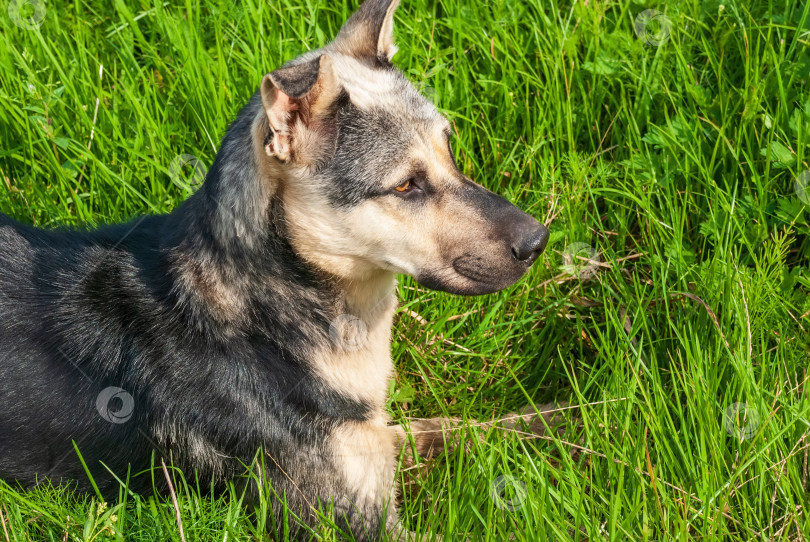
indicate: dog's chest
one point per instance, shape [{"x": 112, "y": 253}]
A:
[{"x": 356, "y": 362}]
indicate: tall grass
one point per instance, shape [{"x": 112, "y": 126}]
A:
[{"x": 674, "y": 288}]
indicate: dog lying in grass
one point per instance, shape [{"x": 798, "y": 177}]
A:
[{"x": 258, "y": 314}]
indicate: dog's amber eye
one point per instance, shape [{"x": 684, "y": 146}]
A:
[{"x": 404, "y": 187}]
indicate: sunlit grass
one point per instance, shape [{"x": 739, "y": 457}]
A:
[{"x": 671, "y": 160}]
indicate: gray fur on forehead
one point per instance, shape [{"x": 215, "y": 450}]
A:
[
  {"x": 370, "y": 144},
  {"x": 381, "y": 86}
]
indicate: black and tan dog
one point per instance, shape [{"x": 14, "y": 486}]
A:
[{"x": 218, "y": 330}]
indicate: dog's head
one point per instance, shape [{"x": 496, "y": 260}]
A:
[{"x": 367, "y": 177}]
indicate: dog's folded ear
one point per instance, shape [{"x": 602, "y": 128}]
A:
[
  {"x": 369, "y": 33},
  {"x": 300, "y": 92}
]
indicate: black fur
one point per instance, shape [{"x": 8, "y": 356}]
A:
[
  {"x": 126, "y": 306},
  {"x": 297, "y": 78}
]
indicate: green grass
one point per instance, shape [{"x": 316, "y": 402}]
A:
[{"x": 675, "y": 162}]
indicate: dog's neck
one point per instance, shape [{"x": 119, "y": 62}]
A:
[
  {"x": 231, "y": 236},
  {"x": 240, "y": 278},
  {"x": 370, "y": 298}
]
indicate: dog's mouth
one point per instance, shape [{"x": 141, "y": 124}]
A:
[
  {"x": 472, "y": 275},
  {"x": 474, "y": 268}
]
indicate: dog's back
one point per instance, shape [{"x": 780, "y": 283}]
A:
[
  {"x": 108, "y": 341},
  {"x": 60, "y": 296}
]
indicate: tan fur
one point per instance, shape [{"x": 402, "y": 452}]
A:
[
  {"x": 370, "y": 87},
  {"x": 341, "y": 241},
  {"x": 363, "y": 371},
  {"x": 271, "y": 171},
  {"x": 226, "y": 303},
  {"x": 359, "y": 40},
  {"x": 326, "y": 90},
  {"x": 385, "y": 43},
  {"x": 401, "y": 240},
  {"x": 296, "y": 122},
  {"x": 366, "y": 451},
  {"x": 279, "y": 108}
]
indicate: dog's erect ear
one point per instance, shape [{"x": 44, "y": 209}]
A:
[
  {"x": 299, "y": 92},
  {"x": 369, "y": 33}
]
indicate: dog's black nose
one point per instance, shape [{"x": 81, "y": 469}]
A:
[{"x": 530, "y": 245}]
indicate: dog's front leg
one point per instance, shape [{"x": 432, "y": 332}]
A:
[
  {"x": 368, "y": 454},
  {"x": 365, "y": 453}
]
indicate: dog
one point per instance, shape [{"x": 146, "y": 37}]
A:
[{"x": 249, "y": 330}]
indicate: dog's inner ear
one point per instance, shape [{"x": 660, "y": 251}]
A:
[
  {"x": 369, "y": 33},
  {"x": 300, "y": 93}
]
